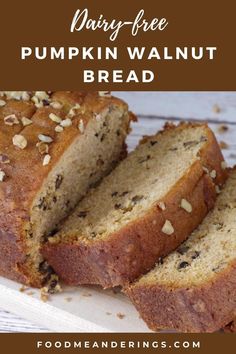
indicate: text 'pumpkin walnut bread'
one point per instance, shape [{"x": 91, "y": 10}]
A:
[
  {"x": 194, "y": 288},
  {"x": 144, "y": 209},
  {"x": 53, "y": 147}
]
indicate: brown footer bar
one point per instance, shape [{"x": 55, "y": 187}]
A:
[{"x": 117, "y": 343}]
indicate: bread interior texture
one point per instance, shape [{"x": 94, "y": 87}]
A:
[
  {"x": 137, "y": 183},
  {"x": 209, "y": 250},
  {"x": 89, "y": 157}
]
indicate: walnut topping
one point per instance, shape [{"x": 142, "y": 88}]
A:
[
  {"x": 4, "y": 158},
  {"x": 59, "y": 129},
  {"x": 104, "y": 93},
  {"x": 45, "y": 138},
  {"x": 11, "y": 120},
  {"x": 186, "y": 205},
  {"x": 162, "y": 206},
  {"x": 167, "y": 228},
  {"x": 73, "y": 110},
  {"x": 2, "y": 175},
  {"x": 66, "y": 123},
  {"x": 55, "y": 118},
  {"x": 41, "y": 95},
  {"x": 2, "y": 103},
  {"x": 46, "y": 159},
  {"x": 26, "y": 121},
  {"x": 42, "y": 147},
  {"x": 56, "y": 105},
  {"x": 19, "y": 141},
  {"x": 223, "y": 165},
  {"x": 81, "y": 126},
  {"x": 213, "y": 174}
]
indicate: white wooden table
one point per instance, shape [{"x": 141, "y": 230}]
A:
[{"x": 154, "y": 109}]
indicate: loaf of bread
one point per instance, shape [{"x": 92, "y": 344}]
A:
[
  {"x": 194, "y": 288},
  {"x": 144, "y": 209},
  {"x": 53, "y": 147}
]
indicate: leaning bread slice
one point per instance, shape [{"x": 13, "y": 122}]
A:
[
  {"x": 53, "y": 146},
  {"x": 194, "y": 288},
  {"x": 144, "y": 209}
]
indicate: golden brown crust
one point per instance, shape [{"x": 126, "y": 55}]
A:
[
  {"x": 134, "y": 249},
  {"x": 25, "y": 173},
  {"x": 205, "y": 308}
]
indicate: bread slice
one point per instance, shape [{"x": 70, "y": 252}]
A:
[
  {"x": 144, "y": 209},
  {"x": 53, "y": 147},
  {"x": 194, "y": 288}
]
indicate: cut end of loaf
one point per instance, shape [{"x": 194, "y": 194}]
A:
[{"x": 73, "y": 140}]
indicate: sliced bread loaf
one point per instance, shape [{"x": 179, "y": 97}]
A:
[
  {"x": 53, "y": 147},
  {"x": 194, "y": 288},
  {"x": 144, "y": 209}
]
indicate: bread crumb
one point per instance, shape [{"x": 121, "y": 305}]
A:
[
  {"x": 216, "y": 108},
  {"x": 68, "y": 299},
  {"x": 23, "y": 288},
  {"x": 86, "y": 294},
  {"x": 120, "y": 315},
  {"x": 44, "y": 295},
  {"x": 108, "y": 313},
  {"x": 30, "y": 293},
  {"x": 223, "y": 128},
  {"x": 223, "y": 145}
]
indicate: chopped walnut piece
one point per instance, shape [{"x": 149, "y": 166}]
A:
[
  {"x": 59, "y": 129},
  {"x": 55, "y": 118},
  {"x": 186, "y": 205},
  {"x": 162, "y": 206},
  {"x": 167, "y": 228},
  {"x": 11, "y": 119},
  {"x": 42, "y": 147},
  {"x": 4, "y": 158},
  {"x": 66, "y": 123},
  {"x": 104, "y": 93},
  {"x": 45, "y": 138},
  {"x": 26, "y": 121},
  {"x": 46, "y": 159},
  {"x": 19, "y": 141},
  {"x": 56, "y": 105}
]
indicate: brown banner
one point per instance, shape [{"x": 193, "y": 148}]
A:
[
  {"x": 188, "y": 45},
  {"x": 118, "y": 343}
]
